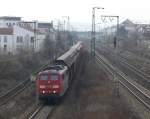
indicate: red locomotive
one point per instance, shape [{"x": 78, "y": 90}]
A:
[{"x": 54, "y": 80}]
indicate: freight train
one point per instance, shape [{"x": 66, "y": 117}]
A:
[{"x": 53, "y": 81}]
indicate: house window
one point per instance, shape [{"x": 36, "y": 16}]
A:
[
  {"x": 32, "y": 40},
  {"x": 5, "y": 39},
  {"x": 5, "y": 47},
  {"x": 9, "y": 24},
  {"x": 19, "y": 39}
]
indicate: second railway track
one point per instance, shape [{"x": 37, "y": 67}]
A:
[
  {"x": 139, "y": 92},
  {"x": 13, "y": 92},
  {"x": 143, "y": 78}
]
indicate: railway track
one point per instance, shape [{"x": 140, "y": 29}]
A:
[
  {"x": 143, "y": 78},
  {"x": 42, "y": 112},
  {"x": 17, "y": 89},
  {"x": 139, "y": 92},
  {"x": 13, "y": 92},
  {"x": 138, "y": 72}
]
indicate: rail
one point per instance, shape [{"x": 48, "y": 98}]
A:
[
  {"x": 139, "y": 92},
  {"x": 144, "y": 78},
  {"x": 42, "y": 112},
  {"x": 4, "y": 98},
  {"x": 36, "y": 112}
]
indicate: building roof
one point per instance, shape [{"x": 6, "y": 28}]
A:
[
  {"x": 10, "y": 18},
  {"x": 6, "y": 31},
  {"x": 128, "y": 23},
  {"x": 31, "y": 29},
  {"x": 45, "y": 25}
]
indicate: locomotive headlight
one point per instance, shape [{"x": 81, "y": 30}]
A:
[
  {"x": 55, "y": 86},
  {"x": 54, "y": 91},
  {"x": 43, "y": 91}
]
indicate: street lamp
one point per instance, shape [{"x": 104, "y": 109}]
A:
[{"x": 93, "y": 31}]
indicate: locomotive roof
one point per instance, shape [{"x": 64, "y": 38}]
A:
[
  {"x": 54, "y": 70},
  {"x": 54, "y": 67},
  {"x": 70, "y": 56}
]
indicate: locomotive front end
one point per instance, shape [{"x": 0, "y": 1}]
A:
[{"x": 48, "y": 84}]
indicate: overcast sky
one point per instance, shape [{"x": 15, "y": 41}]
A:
[{"x": 77, "y": 10}]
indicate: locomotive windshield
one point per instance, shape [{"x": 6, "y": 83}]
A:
[
  {"x": 44, "y": 77},
  {"x": 54, "y": 76}
]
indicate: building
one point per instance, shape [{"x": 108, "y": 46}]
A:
[
  {"x": 142, "y": 29},
  {"x": 129, "y": 25},
  {"x": 17, "y": 35},
  {"x": 47, "y": 28},
  {"x": 15, "y": 39},
  {"x": 7, "y": 21}
]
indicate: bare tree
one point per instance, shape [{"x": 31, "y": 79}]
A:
[{"x": 49, "y": 47}]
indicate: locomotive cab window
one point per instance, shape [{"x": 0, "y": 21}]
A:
[
  {"x": 54, "y": 76},
  {"x": 44, "y": 77}
]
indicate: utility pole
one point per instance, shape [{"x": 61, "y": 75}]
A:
[
  {"x": 115, "y": 79},
  {"x": 67, "y": 26},
  {"x": 34, "y": 36},
  {"x": 68, "y": 23},
  {"x": 93, "y": 31},
  {"x": 117, "y": 29}
]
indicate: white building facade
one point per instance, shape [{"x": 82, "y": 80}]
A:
[{"x": 17, "y": 35}]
